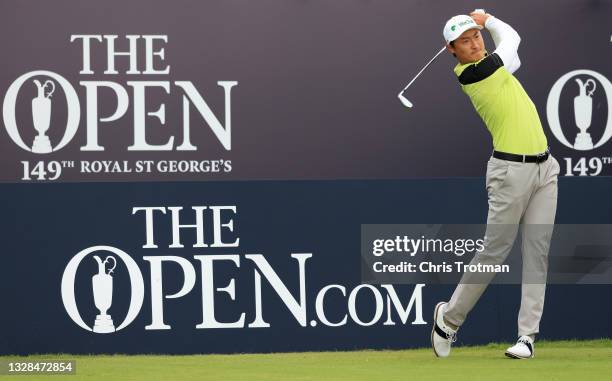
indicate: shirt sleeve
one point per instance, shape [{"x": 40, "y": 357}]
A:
[{"x": 506, "y": 40}]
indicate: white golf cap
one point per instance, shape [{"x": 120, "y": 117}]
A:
[{"x": 456, "y": 25}]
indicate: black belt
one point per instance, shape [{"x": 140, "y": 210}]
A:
[{"x": 539, "y": 158}]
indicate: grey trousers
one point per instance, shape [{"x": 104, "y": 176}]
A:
[{"x": 518, "y": 193}]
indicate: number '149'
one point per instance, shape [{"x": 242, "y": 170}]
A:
[
  {"x": 581, "y": 169},
  {"x": 40, "y": 171}
]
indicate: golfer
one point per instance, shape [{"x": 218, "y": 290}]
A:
[{"x": 521, "y": 178}]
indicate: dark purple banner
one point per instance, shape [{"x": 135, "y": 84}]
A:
[{"x": 190, "y": 90}]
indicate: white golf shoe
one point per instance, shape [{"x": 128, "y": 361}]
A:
[
  {"x": 523, "y": 349},
  {"x": 442, "y": 336}
]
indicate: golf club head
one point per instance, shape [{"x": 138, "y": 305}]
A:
[{"x": 404, "y": 101}]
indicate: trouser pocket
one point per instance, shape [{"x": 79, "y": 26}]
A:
[{"x": 497, "y": 173}]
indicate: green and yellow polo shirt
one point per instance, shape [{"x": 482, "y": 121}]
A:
[{"x": 504, "y": 106}]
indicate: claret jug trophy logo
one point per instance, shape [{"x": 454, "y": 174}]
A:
[
  {"x": 102, "y": 287},
  {"x": 41, "y": 115},
  {"x": 102, "y": 284},
  {"x": 583, "y": 113},
  {"x": 578, "y": 113},
  {"x": 586, "y": 81}
]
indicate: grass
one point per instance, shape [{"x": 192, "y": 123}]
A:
[{"x": 555, "y": 360}]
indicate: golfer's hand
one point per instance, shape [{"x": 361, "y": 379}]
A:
[{"x": 479, "y": 18}]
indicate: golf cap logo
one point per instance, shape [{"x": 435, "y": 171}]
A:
[
  {"x": 456, "y": 25},
  {"x": 47, "y": 84},
  {"x": 102, "y": 284},
  {"x": 467, "y": 22},
  {"x": 588, "y": 85}
]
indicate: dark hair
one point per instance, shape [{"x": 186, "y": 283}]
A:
[{"x": 452, "y": 43}]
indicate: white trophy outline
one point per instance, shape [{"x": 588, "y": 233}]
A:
[
  {"x": 102, "y": 283},
  {"x": 41, "y": 116},
  {"x": 553, "y": 107},
  {"x": 583, "y": 111}
]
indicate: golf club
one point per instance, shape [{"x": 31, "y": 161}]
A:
[{"x": 401, "y": 97}]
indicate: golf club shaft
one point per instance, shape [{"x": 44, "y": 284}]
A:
[{"x": 424, "y": 67}]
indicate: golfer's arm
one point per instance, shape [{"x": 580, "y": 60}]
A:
[{"x": 506, "y": 40}]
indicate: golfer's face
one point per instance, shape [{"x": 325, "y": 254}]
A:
[{"x": 469, "y": 47}]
